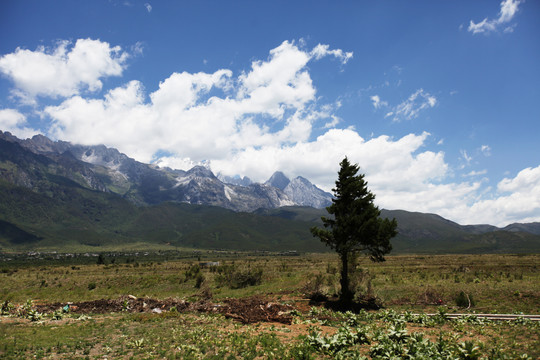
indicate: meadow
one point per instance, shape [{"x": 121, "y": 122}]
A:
[{"x": 406, "y": 288}]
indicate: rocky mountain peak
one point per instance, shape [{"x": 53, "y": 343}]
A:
[
  {"x": 106, "y": 169},
  {"x": 301, "y": 191},
  {"x": 235, "y": 180},
  {"x": 99, "y": 155},
  {"x": 200, "y": 171},
  {"x": 42, "y": 145},
  {"x": 278, "y": 180}
]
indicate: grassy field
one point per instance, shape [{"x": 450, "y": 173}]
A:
[{"x": 403, "y": 285}]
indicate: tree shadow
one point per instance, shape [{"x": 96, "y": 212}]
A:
[{"x": 360, "y": 303}]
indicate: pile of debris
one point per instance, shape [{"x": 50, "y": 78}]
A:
[{"x": 247, "y": 310}]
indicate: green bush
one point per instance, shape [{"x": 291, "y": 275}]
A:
[
  {"x": 464, "y": 300},
  {"x": 192, "y": 272},
  {"x": 229, "y": 275},
  {"x": 199, "y": 280},
  {"x": 316, "y": 289}
]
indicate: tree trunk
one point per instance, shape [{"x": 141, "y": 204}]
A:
[{"x": 346, "y": 295}]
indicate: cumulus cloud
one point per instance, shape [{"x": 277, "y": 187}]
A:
[
  {"x": 410, "y": 108},
  {"x": 263, "y": 120},
  {"x": 518, "y": 200},
  {"x": 63, "y": 71},
  {"x": 273, "y": 103},
  {"x": 526, "y": 180},
  {"x": 509, "y": 8},
  {"x": 13, "y": 121}
]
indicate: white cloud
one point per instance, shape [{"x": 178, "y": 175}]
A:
[
  {"x": 526, "y": 180},
  {"x": 475, "y": 173},
  {"x": 321, "y": 51},
  {"x": 274, "y": 103},
  {"x": 518, "y": 200},
  {"x": 465, "y": 157},
  {"x": 381, "y": 158},
  {"x": 13, "y": 121},
  {"x": 508, "y": 9},
  {"x": 486, "y": 150},
  {"x": 148, "y": 7},
  {"x": 332, "y": 124},
  {"x": 64, "y": 70},
  {"x": 402, "y": 176},
  {"x": 410, "y": 108},
  {"x": 262, "y": 120},
  {"x": 377, "y": 102}
]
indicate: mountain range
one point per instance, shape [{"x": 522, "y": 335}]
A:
[
  {"x": 106, "y": 169},
  {"x": 54, "y": 194}
]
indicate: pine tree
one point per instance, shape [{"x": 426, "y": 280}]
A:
[{"x": 355, "y": 226}]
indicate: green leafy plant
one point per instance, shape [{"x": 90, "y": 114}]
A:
[
  {"x": 6, "y": 308},
  {"x": 469, "y": 350},
  {"x": 343, "y": 339},
  {"x": 58, "y": 315},
  {"x": 34, "y": 315}
]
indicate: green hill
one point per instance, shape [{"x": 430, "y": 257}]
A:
[
  {"x": 51, "y": 200},
  {"x": 76, "y": 217}
]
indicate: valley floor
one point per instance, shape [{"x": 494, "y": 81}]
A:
[{"x": 260, "y": 307}]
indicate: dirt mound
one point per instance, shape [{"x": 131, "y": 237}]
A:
[
  {"x": 247, "y": 310},
  {"x": 252, "y": 310},
  {"x": 127, "y": 303}
]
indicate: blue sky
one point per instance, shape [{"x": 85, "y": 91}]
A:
[{"x": 436, "y": 101}]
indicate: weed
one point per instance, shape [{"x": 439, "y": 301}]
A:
[
  {"x": 6, "y": 308},
  {"x": 58, "y": 315},
  {"x": 238, "y": 278},
  {"x": 469, "y": 350},
  {"x": 464, "y": 300},
  {"x": 34, "y": 315}
]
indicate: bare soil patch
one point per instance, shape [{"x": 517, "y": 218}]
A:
[{"x": 247, "y": 311}]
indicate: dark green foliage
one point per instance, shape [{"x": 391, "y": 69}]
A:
[
  {"x": 356, "y": 225},
  {"x": 192, "y": 272},
  {"x": 421, "y": 233},
  {"x": 15, "y": 235},
  {"x": 100, "y": 260},
  {"x": 464, "y": 300},
  {"x": 199, "y": 280},
  {"x": 231, "y": 276},
  {"x": 71, "y": 215},
  {"x": 56, "y": 202}
]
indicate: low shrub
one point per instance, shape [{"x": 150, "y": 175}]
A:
[
  {"x": 316, "y": 288},
  {"x": 192, "y": 272},
  {"x": 229, "y": 275},
  {"x": 199, "y": 280},
  {"x": 464, "y": 300}
]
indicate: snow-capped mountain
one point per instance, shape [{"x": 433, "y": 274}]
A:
[
  {"x": 303, "y": 192},
  {"x": 106, "y": 169},
  {"x": 300, "y": 190}
]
